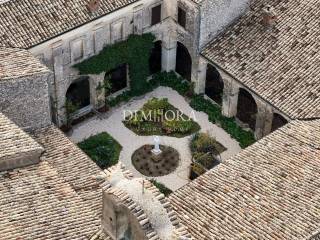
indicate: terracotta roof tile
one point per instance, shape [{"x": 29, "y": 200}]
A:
[
  {"x": 14, "y": 141},
  {"x": 16, "y": 63},
  {"x": 26, "y": 23},
  {"x": 268, "y": 191},
  {"x": 56, "y": 199},
  {"x": 280, "y": 64}
]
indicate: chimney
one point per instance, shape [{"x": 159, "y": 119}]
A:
[
  {"x": 269, "y": 16},
  {"x": 93, "y": 5},
  {"x": 133, "y": 208}
]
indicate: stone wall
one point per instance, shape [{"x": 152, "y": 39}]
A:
[
  {"x": 61, "y": 53},
  {"x": 26, "y": 101},
  {"x": 217, "y": 14}
]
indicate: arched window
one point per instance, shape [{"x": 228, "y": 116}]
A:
[
  {"x": 78, "y": 92},
  {"x": 183, "y": 62},
  {"x": 214, "y": 84},
  {"x": 117, "y": 78},
  {"x": 247, "y": 109}
]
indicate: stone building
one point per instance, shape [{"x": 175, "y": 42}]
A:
[
  {"x": 228, "y": 64},
  {"x": 259, "y": 62},
  {"x": 61, "y": 35}
]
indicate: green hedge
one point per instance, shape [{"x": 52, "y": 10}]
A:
[
  {"x": 159, "y": 79},
  {"x": 245, "y": 138},
  {"x": 162, "y": 188},
  {"x": 135, "y": 52},
  {"x": 102, "y": 149}
]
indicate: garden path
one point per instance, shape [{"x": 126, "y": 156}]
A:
[{"x": 112, "y": 124}]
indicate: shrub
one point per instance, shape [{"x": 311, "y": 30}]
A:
[
  {"x": 162, "y": 188},
  {"x": 171, "y": 80},
  {"x": 156, "y": 104},
  {"x": 165, "y": 79},
  {"x": 203, "y": 143},
  {"x": 102, "y": 149},
  {"x": 245, "y": 138},
  {"x": 178, "y": 126},
  {"x": 205, "y": 149},
  {"x": 154, "y": 123}
]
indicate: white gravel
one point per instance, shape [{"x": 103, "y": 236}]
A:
[{"x": 130, "y": 142}]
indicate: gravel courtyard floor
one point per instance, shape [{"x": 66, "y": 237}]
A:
[{"x": 111, "y": 123}]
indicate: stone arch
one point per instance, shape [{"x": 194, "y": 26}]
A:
[
  {"x": 78, "y": 93},
  {"x": 183, "y": 62},
  {"x": 247, "y": 108},
  {"x": 214, "y": 84},
  {"x": 118, "y": 78},
  {"x": 156, "y": 58},
  {"x": 278, "y": 121}
]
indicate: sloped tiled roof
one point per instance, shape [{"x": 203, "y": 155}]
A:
[
  {"x": 280, "y": 64},
  {"x": 25, "y": 23},
  {"x": 56, "y": 199},
  {"x": 268, "y": 191},
  {"x": 15, "y": 63},
  {"x": 14, "y": 141}
]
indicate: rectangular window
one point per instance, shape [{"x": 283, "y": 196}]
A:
[
  {"x": 182, "y": 17},
  {"x": 156, "y": 15}
]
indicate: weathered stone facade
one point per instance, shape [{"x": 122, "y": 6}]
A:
[
  {"x": 26, "y": 101},
  {"x": 204, "y": 20},
  {"x": 216, "y": 15}
]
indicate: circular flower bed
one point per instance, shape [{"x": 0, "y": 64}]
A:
[{"x": 152, "y": 165}]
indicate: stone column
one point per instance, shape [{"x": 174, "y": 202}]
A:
[
  {"x": 230, "y": 97},
  {"x": 268, "y": 120},
  {"x": 97, "y": 91},
  {"x": 201, "y": 76},
  {"x": 57, "y": 58},
  {"x": 169, "y": 51},
  {"x": 263, "y": 119}
]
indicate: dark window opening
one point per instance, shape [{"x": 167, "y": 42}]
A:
[
  {"x": 182, "y": 17},
  {"x": 278, "y": 121},
  {"x": 79, "y": 93},
  {"x": 156, "y": 58},
  {"x": 247, "y": 109},
  {"x": 183, "y": 62},
  {"x": 117, "y": 78},
  {"x": 214, "y": 85},
  {"x": 156, "y": 15}
]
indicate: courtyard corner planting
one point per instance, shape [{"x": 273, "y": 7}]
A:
[
  {"x": 159, "y": 117},
  {"x": 205, "y": 153},
  {"x": 102, "y": 149},
  {"x": 245, "y": 138}
]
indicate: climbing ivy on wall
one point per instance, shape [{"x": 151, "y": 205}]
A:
[{"x": 135, "y": 52}]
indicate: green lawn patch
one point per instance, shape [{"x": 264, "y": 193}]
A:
[
  {"x": 102, "y": 149},
  {"x": 159, "y": 117}
]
